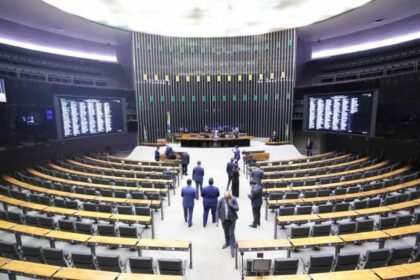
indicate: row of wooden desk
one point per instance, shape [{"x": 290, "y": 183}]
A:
[
  {"x": 349, "y": 196},
  {"x": 284, "y": 220},
  {"x": 396, "y": 172},
  {"x": 142, "y": 162},
  {"x": 37, "y": 270},
  {"x": 335, "y": 174},
  {"x": 95, "y": 240},
  {"x": 24, "y": 205},
  {"x": 409, "y": 270},
  {"x": 319, "y": 157},
  {"x": 155, "y": 204},
  {"x": 244, "y": 246}
]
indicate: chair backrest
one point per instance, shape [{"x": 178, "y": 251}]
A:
[
  {"x": 170, "y": 267},
  {"x": 321, "y": 230},
  {"x": 107, "y": 230},
  {"x": 320, "y": 263},
  {"x": 59, "y": 202},
  {"x": 386, "y": 222},
  {"x": 325, "y": 208},
  {"x": 283, "y": 266},
  {"x": 82, "y": 227},
  {"x": 34, "y": 198},
  {"x": 32, "y": 254},
  {"x": 83, "y": 260},
  {"x": 15, "y": 217},
  {"x": 120, "y": 194},
  {"x": 143, "y": 211},
  {"x": 291, "y": 195},
  {"x": 248, "y": 268},
  {"x": 128, "y": 231},
  {"x": 309, "y": 194},
  {"x": 138, "y": 195},
  {"x": 340, "y": 191},
  {"x": 375, "y": 202},
  {"x": 88, "y": 206},
  {"x": 299, "y": 232},
  {"x": 54, "y": 256},
  {"x": 353, "y": 190},
  {"x": 346, "y": 261},
  {"x": 71, "y": 204},
  {"x": 286, "y": 211},
  {"x": 143, "y": 265},
  {"x": 377, "y": 258},
  {"x": 79, "y": 190},
  {"x": 31, "y": 220},
  {"x": 302, "y": 210},
  {"x": 90, "y": 191},
  {"x": 361, "y": 204},
  {"x": 404, "y": 220},
  {"x": 66, "y": 225},
  {"x": 390, "y": 200},
  {"x": 45, "y": 200},
  {"x": 125, "y": 209},
  {"x": 322, "y": 193},
  {"x": 400, "y": 255},
  {"x": 344, "y": 206},
  {"x": 104, "y": 207},
  {"x": 107, "y": 193},
  {"x": 109, "y": 263},
  {"x": 366, "y": 225},
  {"x": 9, "y": 250},
  {"x": 46, "y": 222},
  {"x": 346, "y": 227}
]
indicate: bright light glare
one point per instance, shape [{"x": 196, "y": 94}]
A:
[
  {"x": 206, "y": 18},
  {"x": 366, "y": 46},
  {"x": 72, "y": 53}
]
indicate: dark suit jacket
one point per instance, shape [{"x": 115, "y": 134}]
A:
[
  {"x": 168, "y": 152},
  {"x": 309, "y": 145},
  {"x": 232, "y": 212},
  {"x": 198, "y": 173},
  {"x": 185, "y": 158},
  {"x": 210, "y": 195},
  {"x": 157, "y": 155},
  {"x": 257, "y": 175},
  {"x": 237, "y": 155},
  {"x": 188, "y": 196},
  {"x": 256, "y": 196},
  {"x": 229, "y": 167}
]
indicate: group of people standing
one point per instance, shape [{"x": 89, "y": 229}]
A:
[{"x": 224, "y": 209}]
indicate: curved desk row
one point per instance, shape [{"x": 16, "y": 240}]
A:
[
  {"x": 134, "y": 166},
  {"x": 302, "y": 159}
]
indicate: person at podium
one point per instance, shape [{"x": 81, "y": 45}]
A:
[{"x": 274, "y": 137}]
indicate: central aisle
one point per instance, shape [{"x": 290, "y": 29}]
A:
[{"x": 209, "y": 260}]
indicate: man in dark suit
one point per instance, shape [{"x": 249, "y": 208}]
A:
[
  {"x": 274, "y": 137},
  {"x": 198, "y": 175},
  {"x": 257, "y": 175},
  {"x": 309, "y": 146},
  {"x": 229, "y": 171},
  {"x": 188, "y": 195},
  {"x": 226, "y": 212},
  {"x": 256, "y": 202},
  {"x": 237, "y": 154},
  {"x": 185, "y": 160},
  {"x": 168, "y": 151},
  {"x": 210, "y": 195},
  {"x": 157, "y": 154}
]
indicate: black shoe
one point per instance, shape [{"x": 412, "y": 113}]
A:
[
  {"x": 190, "y": 225},
  {"x": 204, "y": 225},
  {"x": 258, "y": 224},
  {"x": 253, "y": 226},
  {"x": 232, "y": 253},
  {"x": 225, "y": 246}
]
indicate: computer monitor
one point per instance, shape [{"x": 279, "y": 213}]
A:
[{"x": 261, "y": 265}]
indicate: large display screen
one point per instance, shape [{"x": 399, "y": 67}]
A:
[
  {"x": 342, "y": 112},
  {"x": 2, "y": 91},
  {"x": 83, "y": 116}
]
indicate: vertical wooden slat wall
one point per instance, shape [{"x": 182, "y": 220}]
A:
[{"x": 244, "y": 82}]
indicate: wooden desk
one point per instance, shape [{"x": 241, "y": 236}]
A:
[
  {"x": 133, "y": 276},
  {"x": 159, "y": 165},
  {"x": 6, "y": 225},
  {"x": 403, "y": 231},
  {"x": 398, "y": 271},
  {"x": 297, "y": 218},
  {"x": 30, "y": 268},
  {"x": 303, "y": 163},
  {"x": 364, "y": 274},
  {"x": 68, "y": 236},
  {"x": 372, "y": 211},
  {"x": 363, "y": 236},
  {"x": 331, "y": 240},
  {"x": 337, "y": 215},
  {"x": 84, "y": 274},
  {"x": 276, "y": 143},
  {"x": 109, "y": 240},
  {"x": 3, "y": 261},
  {"x": 30, "y": 230},
  {"x": 194, "y": 140}
]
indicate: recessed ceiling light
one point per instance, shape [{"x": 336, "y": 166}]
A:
[
  {"x": 206, "y": 18},
  {"x": 379, "y": 20}
]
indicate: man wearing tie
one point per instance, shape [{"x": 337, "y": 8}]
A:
[
  {"x": 226, "y": 212},
  {"x": 198, "y": 175},
  {"x": 256, "y": 202},
  {"x": 188, "y": 195}
]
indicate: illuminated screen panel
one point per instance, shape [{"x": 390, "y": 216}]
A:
[
  {"x": 352, "y": 113},
  {"x": 84, "y": 116}
]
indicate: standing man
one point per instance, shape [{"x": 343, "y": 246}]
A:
[
  {"x": 309, "y": 146},
  {"x": 226, "y": 212},
  {"x": 198, "y": 175},
  {"x": 185, "y": 160},
  {"x": 256, "y": 202},
  {"x": 168, "y": 152},
  {"x": 229, "y": 171},
  {"x": 210, "y": 195},
  {"x": 237, "y": 154},
  {"x": 188, "y": 195},
  {"x": 157, "y": 154},
  {"x": 257, "y": 175},
  {"x": 274, "y": 137}
]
